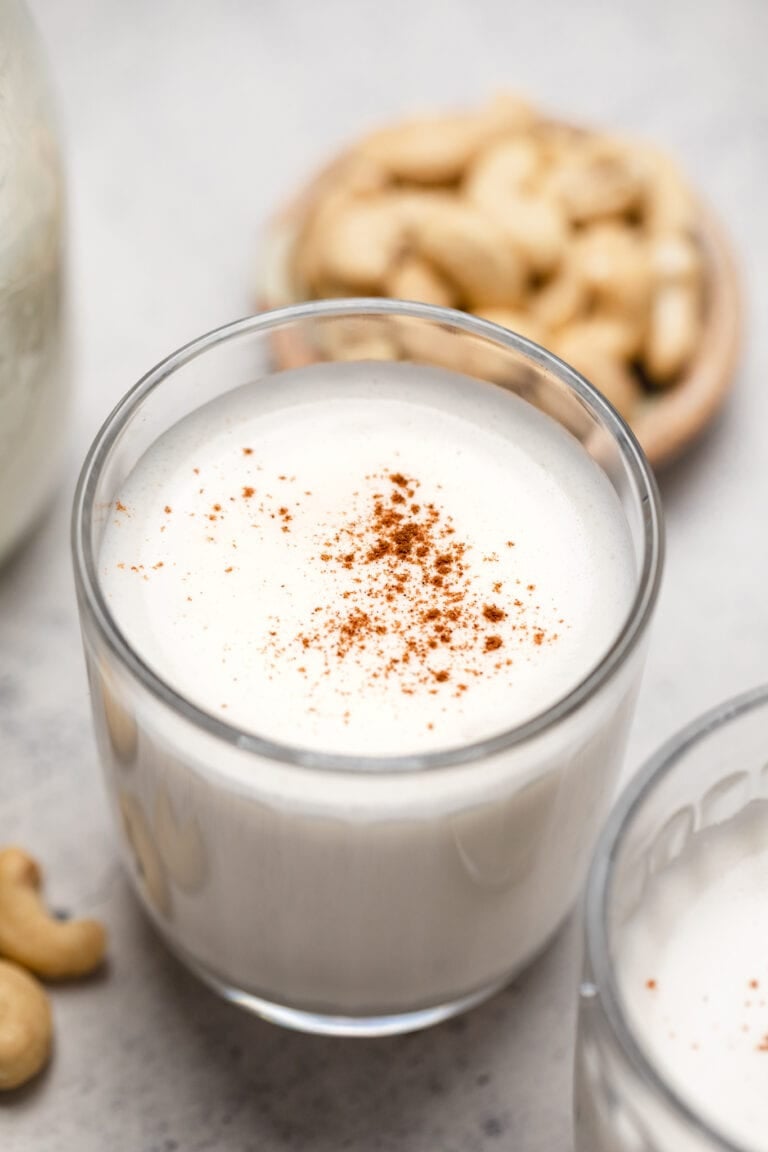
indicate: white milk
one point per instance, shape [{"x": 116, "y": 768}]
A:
[
  {"x": 361, "y": 893},
  {"x": 238, "y": 561},
  {"x": 694, "y": 973}
]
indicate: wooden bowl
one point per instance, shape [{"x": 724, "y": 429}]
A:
[{"x": 666, "y": 421}]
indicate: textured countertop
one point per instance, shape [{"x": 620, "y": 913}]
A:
[{"x": 185, "y": 122}]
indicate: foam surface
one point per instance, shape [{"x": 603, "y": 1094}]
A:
[{"x": 225, "y": 562}]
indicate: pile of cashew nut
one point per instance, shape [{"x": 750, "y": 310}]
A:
[
  {"x": 585, "y": 243},
  {"x": 34, "y": 944}
]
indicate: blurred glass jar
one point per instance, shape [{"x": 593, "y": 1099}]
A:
[{"x": 33, "y": 378}]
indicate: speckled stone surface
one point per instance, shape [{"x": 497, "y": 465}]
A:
[{"x": 186, "y": 122}]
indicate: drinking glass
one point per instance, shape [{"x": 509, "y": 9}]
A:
[
  {"x": 356, "y": 894},
  {"x": 705, "y": 775}
]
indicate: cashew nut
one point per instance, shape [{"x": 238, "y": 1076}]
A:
[
  {"x": 612, "y": 262},
  {"x": 669, "y": 203},
  {"x": 122, "y": 731},
  {"x": 516, "y": 321},
  {"x": 54, "y": 949},
  {"x": 353, "y": 178},
  {"x": 435, "y": 345},
  {"x": 502, "y": 184},
  {"x": 414, "y": 279},
  {"x": 674, "y": 258},
  {"x": 146, "y": 857},
  {"x": 607, "y": 373},
  {"x": 674, "y": 327},
  {"x": 437, "y": 150},
  {"x": 471, "y": 252},
  {"x": 535, "y": 227},
  {"x": 26, "y": 1028},
  {"x": 561, "y": 299},
  {"x": 180, "y": 845},
  {"x": 613, "y": 333},
  {"x": 359, "y": 338},
  {"x": 510, "y": 165},
  {"x": 583, "y": 242},
  {"x": 596, "y": 181},
  {"x": 360, "y": 242}
]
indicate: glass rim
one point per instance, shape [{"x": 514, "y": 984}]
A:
[
  {"x": 599, "y": 889},
  {"x": 633, "y": 628}
]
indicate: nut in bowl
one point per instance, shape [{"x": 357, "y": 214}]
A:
[{"x": 589, "y": 244}]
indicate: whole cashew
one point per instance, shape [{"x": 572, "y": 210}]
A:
[
  {"x": 147, "y": 861},
  {"x": 414, "y": 279},
  {"x": 354, "y": 338},
  {"x": 611, "y": 332},
  {"x": 26, "y": 1028},
  {"x": 51, "y": 948},
  {"x": 501, "y": 183},
  {"x": 352, "y": 179},
  {"x": 517, "y": 321},
  {"x": 512, "y": 165},
  {"x": 122, "y": 729},
  {"x": 561, "y": 299},
  {"x": 437, "y": 150},
  {"x": 535, "y": 227},
  {"x": 180, "y": 843},
  {"x": 675, "y": 258},
  {"x": 673, "y": 331},
  {"x": 471, "y": 252},
  {"x": 361, "y": 241},
  {"x": 596, "y": 181},
  {"x": 614, "y": 266},
  {"x": 608, "y": 373},
  {"x": 669, "y": 203}
]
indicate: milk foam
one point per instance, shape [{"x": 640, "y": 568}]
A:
[
  {"x": 694, "y": 973},
  {"x": 212, "y": 561}
]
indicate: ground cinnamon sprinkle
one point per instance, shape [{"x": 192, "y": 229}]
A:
[
  {"x": 408, "y": 600},
  {"x": 411, "y": 611}
]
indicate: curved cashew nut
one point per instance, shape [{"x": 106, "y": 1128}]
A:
[
  {"x": 26, "y": 1028},
  {"x": 675, "y": 258},
  {"x": 122, "y": 729},
  {"x": 511, "y": 165},
  {"x": 471, "y": 252},
  {"x": 353, "y": 179},
  {"x": 614, "y": 266},
  {"x": 414, "y": 279},
  {"x": 669, "y": 202},
  {"x": 437, "y": 150},
  {"x": 500, "y": 184},
  {"x": 598, "y": 180},
  {"x": 30, "y": 936},
  {"x": 673, "y": 331},
  {"x": 517, "y": 321},
  {"x": 180, "y": 845},
  {"x": 608, "y": 373},
  {"x": 561, "y": 299},
  {"x": 361, "y": 242},
  {"x": 614, "y": 334},
  {"x": 149, "y": 865}
]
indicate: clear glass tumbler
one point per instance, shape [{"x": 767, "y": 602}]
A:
[
  {"x": 335, "y": 893},
  {"x": 706, "y": 775}
]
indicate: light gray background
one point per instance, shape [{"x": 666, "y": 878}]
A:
[{"x": 185, "y": 123}]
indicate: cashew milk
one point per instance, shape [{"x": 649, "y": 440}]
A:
[
  {"x": 373, "y": 561},
  {"x": 694, "y": 973}
]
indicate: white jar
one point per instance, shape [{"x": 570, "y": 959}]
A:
[{"x": 33, "y": 378}]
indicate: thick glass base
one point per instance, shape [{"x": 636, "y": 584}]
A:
[{"x": 322, "y": 1025}]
